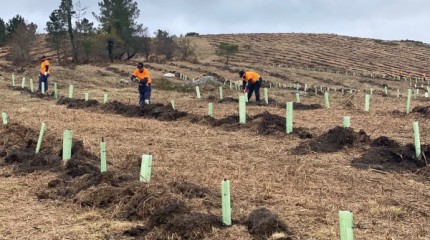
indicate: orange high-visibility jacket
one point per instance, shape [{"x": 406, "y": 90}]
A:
[
  {"x": 251, "y": 76},
  {"x": 142, "y": 75},
  {"x": 43, "y": 67}
]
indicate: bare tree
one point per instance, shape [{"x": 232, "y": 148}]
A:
[
  {"x": 22, "y": 39},
  {"x": 185, "y": 49}
]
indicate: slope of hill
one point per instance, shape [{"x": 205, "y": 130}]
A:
[{"x": 283, "y": 186}]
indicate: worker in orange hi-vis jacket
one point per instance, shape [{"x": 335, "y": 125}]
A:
[
  {"x": 45, "y": 69},
  {"x": 142, "y": 76},
  {"x": 252, "y": 81}
]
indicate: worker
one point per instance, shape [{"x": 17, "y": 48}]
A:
[
  {"x": 424, "y": 76},
  {"x": 142, "y": 76},
  {"x": 252, "y": 81},
  {"x": 44, "y": 73}
]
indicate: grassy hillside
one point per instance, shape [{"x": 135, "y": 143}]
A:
[{"x": 283, "y": 186}]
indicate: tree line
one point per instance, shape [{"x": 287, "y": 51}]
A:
[
  {"x": 118, "y": 36},
  {"x": 75, "y": 38}
]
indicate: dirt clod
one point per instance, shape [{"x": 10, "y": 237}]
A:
[
  {"x": 333, "y": 140},
  {"x": 261, "y": 223}
]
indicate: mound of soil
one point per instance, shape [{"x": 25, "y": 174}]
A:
[
  {"x": 424, "y": 110},
  {"x": 269, "y": 124},
  {"x": 77, "y": 103},
  {"x": 155, "y": 110},
  {"x": 333, "y": 140},
  {"x": 193, "y": 225},
  {"x": 25, "y": 160},
  {"x": 165, "y": 214},
  {"x": 384, "y": 141},
  {"x": 263, "y": 124},
  {"x": 390, "y": 156},
  {"x": 261, "y": 223}
]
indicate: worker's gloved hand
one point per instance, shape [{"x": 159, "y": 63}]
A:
[
  {"x": 45, "y": 73},
  {"x": 245, "y": 90},
  {"x": 136, "y": 79}
]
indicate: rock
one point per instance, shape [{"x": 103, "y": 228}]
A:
[{"x": 169, "y": 75}]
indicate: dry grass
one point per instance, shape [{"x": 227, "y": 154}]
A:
[{"x": 305, "y": 191}]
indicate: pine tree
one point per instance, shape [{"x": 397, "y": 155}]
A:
[{"x": 118, "y": 19}]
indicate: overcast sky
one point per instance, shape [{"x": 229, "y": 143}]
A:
[{"x": 382, "y": 19}]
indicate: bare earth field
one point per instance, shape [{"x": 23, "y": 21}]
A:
[{"x": 282, "y": 186}]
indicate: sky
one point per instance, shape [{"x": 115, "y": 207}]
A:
[{"x": 380, "y": 19}]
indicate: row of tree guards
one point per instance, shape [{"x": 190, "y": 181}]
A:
[
  {"x": 243, "y": 99},
  {"x": 345, "y": 217},
  {"x": 410, "y": 93},
  {"x": 298, "y": 86},
  {"x": 71, "y": 89}
]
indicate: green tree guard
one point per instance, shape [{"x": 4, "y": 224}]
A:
[
  {"x": 289, "y": 118},
  {"x": 346, "y": 225},
  {"x": 4, "y": 117},
  {"x": 346, "y": 121},
  {"x": 417, "y": 140},
  {"x": 71, "y": 91},
  {"x": 198, "y": 92},
  {"x": 326, "y": 100},
  {"x": 39, "y": 141},
  {"x": 408, "y": 101},
  {"x": 226, "y": 202},
  {"x": 67, "y": 144},
  {"x": 242, "y": 109},
  {"x": 56, "y": 90},
  {"x": 146, "y": 168},
  {"x": 103, "y": 162},
  {"x": 266, "y": 95},
  {"x": 367, "y": 103},
  {"x": 210, "y": 109}
]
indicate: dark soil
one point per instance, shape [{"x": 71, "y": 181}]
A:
[
  {"x": 191, "y": 190},
  {"x": 77, "y": 103},
  {"x": 228, "y": 100},
  {"x": 424, "y": 110},
  {"x": 165, "y": 214},
  {"x": 388, "y": 155},
  {"x": 155, "y": 110},
  {"x": 34, "y": 94},
  {"x": 193, "y": 225},
  {"x": 263, "y": 124},
  {"x": 138, "y": 231},
  {"x": 384, "y": 141},
  {"x": 25, "y": 160},
  {"x": 334, "y": 140},
  {"x": 18, "y": 148},
  {"x": 261, "y": 224},
  {"x": 301, "y": 106}
]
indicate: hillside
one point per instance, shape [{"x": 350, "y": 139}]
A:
[{"x": 283, "y": 186}]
